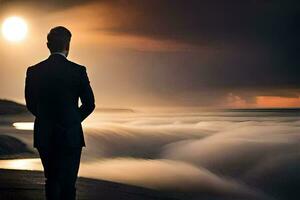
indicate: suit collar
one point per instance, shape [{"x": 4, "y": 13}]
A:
[
  {"x": 57, "y": 56},
  {"x": 60, "y": 53}
]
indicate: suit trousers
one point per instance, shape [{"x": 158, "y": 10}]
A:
[{"x": 61, "y": 165}]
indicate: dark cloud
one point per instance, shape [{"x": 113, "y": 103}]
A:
[
  {"x": 55, "y": 3},
  {"x": 253, "y": 44}
]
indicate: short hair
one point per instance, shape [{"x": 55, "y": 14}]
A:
[{"x": 58, "y": 38}]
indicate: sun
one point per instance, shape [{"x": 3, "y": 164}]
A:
[{"x": 14, "y": 29}]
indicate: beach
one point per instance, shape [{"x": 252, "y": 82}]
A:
[{"x": 29, "y": 185}]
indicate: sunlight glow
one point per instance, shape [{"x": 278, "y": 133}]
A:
[
  {"x": 22, "y": 164},
  {"x": 14, "y": 29},
  {"x": 23, "y": 125}
]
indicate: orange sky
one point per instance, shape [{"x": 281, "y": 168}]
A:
[{"x": 273, "y": 101}]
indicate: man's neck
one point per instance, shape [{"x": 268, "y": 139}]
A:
[{"x": 60, "y": 53}]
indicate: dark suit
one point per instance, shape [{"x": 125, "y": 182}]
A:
[{"x": 52, "y": 91}]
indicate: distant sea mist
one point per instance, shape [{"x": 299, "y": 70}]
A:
[{"x": 241, "y": 154}]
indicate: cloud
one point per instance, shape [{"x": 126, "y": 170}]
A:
[
  {"x": 57, "y": 4},
  {"x": 227, "y": 154},
  {"x": 222, "y": 155},
  {"x": 170, "y": 175},
  {"x": 137, "y": 139},
  {"x": 236, "y": 150}
]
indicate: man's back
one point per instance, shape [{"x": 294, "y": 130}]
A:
[
  {"x": 52, "y": 91},
  {"x": 53, "y": 88}
]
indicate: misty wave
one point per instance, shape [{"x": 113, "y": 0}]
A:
[
  {"x": 230, "y": 156},
  {"x": 172, "y": 176}
]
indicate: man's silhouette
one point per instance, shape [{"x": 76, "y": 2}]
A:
[{"x": 52, "y": 91}]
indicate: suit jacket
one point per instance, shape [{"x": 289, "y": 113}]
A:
[{"x": 52, "y": 91}]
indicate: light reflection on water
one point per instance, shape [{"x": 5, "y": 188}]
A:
[
  {"x": 27, "y": 164},
  {"x": 36, "y": 164},
  {"x": 22, "y": 164},
  {"x": 23, "y": 125}
]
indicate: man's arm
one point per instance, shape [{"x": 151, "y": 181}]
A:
[
  {"x": 30, "y": 95},
  {"x": 86, "y": 96}
]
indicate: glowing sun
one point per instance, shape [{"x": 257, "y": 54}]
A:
[{"x": 14, "y": 29}]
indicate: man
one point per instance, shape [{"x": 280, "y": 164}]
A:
[{"x": 52, "y": 91}]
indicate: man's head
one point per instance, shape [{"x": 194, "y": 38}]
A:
[{"x": 59, "y": 40}]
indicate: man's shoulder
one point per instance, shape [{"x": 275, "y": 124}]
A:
[
  {"x": 35, "y": 66},
  {"x": 76, "y": 66}
]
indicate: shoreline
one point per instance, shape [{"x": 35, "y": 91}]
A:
[{"x": 29, "y": 185}]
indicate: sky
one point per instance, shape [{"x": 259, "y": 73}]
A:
[{"x": 239, "y": 54}]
